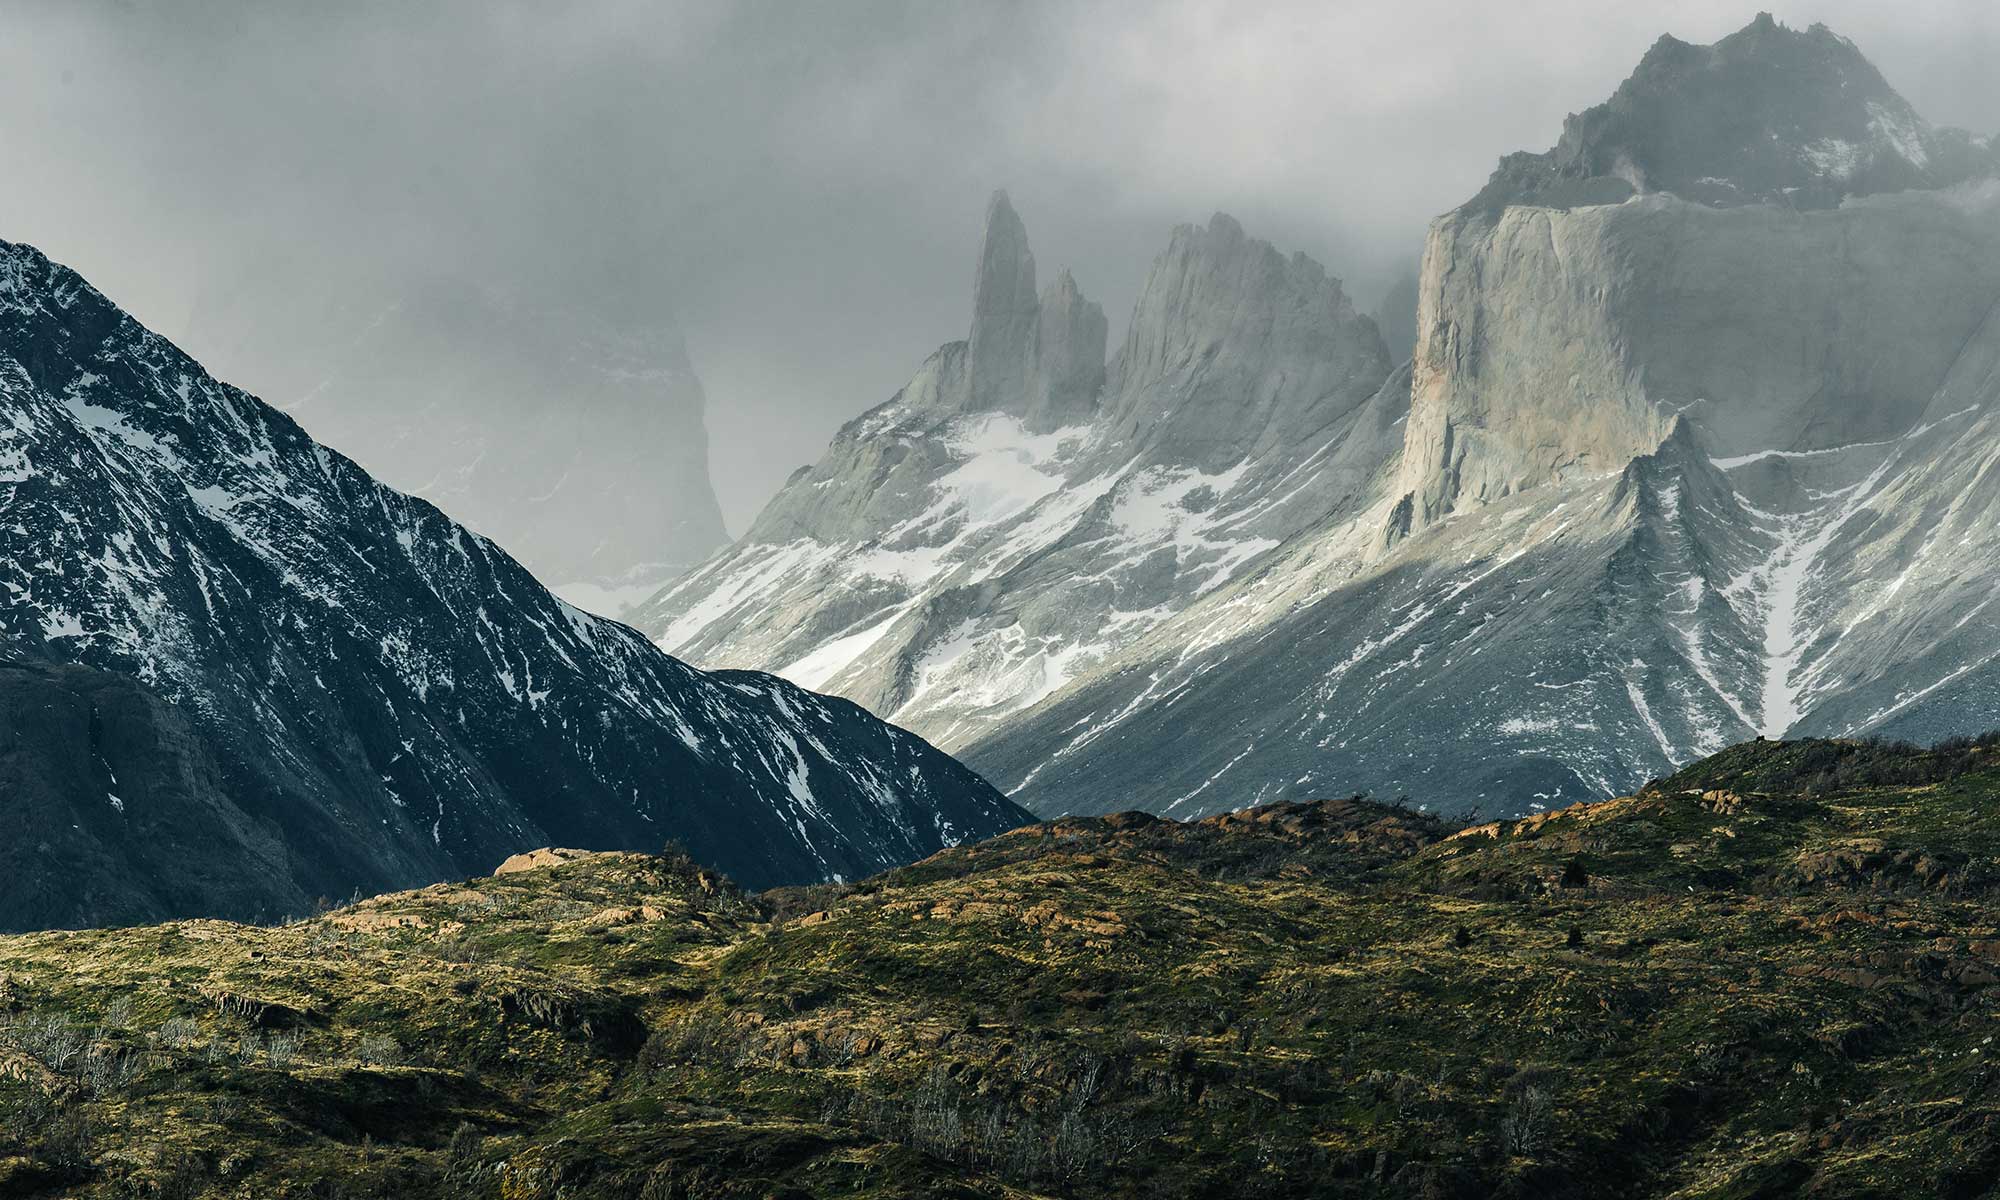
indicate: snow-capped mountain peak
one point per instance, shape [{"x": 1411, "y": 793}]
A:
[{"x": 384, "y": 697}]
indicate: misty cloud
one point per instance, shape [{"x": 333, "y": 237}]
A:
[{"x": 799, "y": 186}]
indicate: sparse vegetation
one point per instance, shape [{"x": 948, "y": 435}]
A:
[{"x": 1749, "y": 992}]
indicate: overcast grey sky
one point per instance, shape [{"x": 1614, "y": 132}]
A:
[{"x": 800, "y": 185}]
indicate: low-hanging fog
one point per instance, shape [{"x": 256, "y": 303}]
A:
[{"x": 796, "y": 186}]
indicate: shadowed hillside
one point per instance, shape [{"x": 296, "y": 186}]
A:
[{"x": 1771, "y": 974}]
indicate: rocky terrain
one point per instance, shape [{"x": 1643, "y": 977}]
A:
[
  {"x": 528, "y": 421},
  {"x": 1020, "y": 512},
  {"x": 237, "y": 674},
  {"x": 1699, "y": 442},
  {"x": 1769, "y": 975}
]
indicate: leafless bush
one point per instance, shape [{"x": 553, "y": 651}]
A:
[
  {"x": 379, "y": 1049},
  {"x": 1525, "y": 1128},
  {"x": 281, "y": 1050},
  {"x": 459, "y": 948},
  {"x": 118, "y": 1014},
  {"x": 182, "y": 1176},
  {"x": 107, "y": 1069},
  {"x": 942, "y": 1117},
  {"x": 51, "y": 1039},
  {"x": 178, "y": 1033},
  {"x": 842, "y": 1050},
  {"x": 67, "y": 1141}
]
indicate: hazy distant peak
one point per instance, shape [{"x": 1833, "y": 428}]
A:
[{"x": 1769, "y": 114}]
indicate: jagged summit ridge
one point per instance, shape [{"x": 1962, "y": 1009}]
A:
[
  {"x": 1666, "y": 471},
  {"x": 1235, "y": 349},
  {"x": 1034, "y": 356},
  {"x": 1005, "y": 312},
  {"x": 954, "y": 560},
  {"x": 1588, "y": 318},
  {"x": 1768, "y": 114},
  {"x": 1676, "y": 471}
]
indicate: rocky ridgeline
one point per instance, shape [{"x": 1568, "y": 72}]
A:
[
  {"x": 1021, "y": 511},
  {"x": 1698, "y": 443},
  {"x": 240, "y": 674}
]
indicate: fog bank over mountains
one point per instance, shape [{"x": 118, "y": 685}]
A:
[{"x": 789, "y": 185}]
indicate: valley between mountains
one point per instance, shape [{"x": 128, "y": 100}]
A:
[{"x": 1534, "y": 741}]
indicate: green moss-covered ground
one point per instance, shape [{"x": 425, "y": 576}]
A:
[{"x": 1777, "y": 973}]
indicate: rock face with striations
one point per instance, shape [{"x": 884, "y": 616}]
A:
[
  {"x": 1020, "y": 510},
  {"x": 1681, "y": 467},
  {"x": 1701, "y": 440},
  {"x": 240, "y": 673}
]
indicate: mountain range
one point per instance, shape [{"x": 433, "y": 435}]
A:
[
  {"x": 239, "y": 674},
  {"x": 1698, "y": 444}
]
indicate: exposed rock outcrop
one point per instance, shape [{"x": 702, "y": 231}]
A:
[
  {"x": 1020, "y": 511},
  {"x": 1700, "y": 441},
  {"x": 1679, "y": 469},
  {"x": 1555, "y": 342}
]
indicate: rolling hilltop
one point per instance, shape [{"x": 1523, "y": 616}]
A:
[{"x": 1769, "y": 974}]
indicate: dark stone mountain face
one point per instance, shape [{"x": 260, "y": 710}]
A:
[
  {"x": 1766, "y": 115},
  {"x": 117, "y": 809},
  {"x": 325, "y": 684}
]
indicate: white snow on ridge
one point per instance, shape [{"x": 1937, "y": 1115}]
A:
[
  {"x": 830, "y": 658},
  {"x": 1802, "y": 539},
  {"x": 1005, "y": 470},
  {"x": 1903, "y": 132}
]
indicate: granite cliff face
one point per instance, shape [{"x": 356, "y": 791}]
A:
[
  {"x": 528, "y": 422},
  {"x": 219, "y": 634},
  {"x": 1700, "y": 441},
  {"x": 1020, "y": 510},
  {"x": 1555, "y": 342},
  {"x": 1678, "y": 471}
]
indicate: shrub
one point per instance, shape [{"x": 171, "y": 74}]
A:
[
  {"x": 118, "y": 1014},
  {"x": 178, "y": 1033},
  {"x": 1525, "y": 1128},
  {"x": 50, "y": 1039},
  {"x": 281, "y": 1050},
  {"x": 379, "y": 1049}
]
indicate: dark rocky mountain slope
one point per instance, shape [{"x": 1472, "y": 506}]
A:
[{"x": 242, "y": 674}]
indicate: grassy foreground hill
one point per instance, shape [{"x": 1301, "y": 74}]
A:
[{"x": 1776, "y": 973}]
